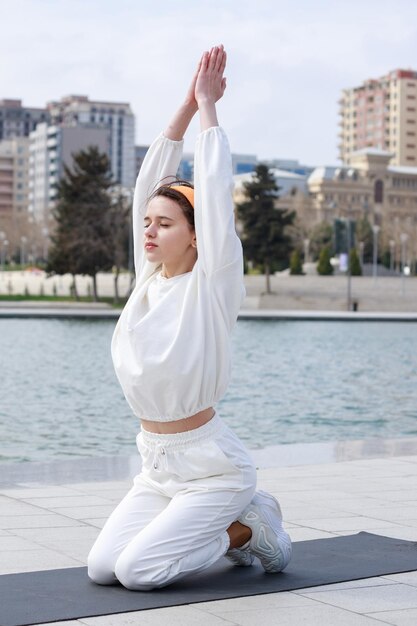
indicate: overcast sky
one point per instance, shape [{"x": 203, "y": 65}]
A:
[{"x": 287, "y": 61}]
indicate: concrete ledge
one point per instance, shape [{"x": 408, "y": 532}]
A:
[{"x": 95, "y": 312}]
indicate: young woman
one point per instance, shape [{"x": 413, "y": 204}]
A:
[{"x": 194, "y": 500}]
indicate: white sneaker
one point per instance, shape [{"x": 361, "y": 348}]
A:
[
  {"x": 242, "y": 557},
  {"x": 269, "y": 541}
]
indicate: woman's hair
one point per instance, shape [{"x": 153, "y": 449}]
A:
[{"x": 167, "y": 190}]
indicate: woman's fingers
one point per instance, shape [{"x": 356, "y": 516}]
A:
[{"x": 222, "y": 63}]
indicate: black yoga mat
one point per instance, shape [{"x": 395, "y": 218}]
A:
[{"x": 63, "y": 594}]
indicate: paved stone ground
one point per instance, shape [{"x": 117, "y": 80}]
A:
[
  {"x": 45, "y": 527},
  {"x": 309, "y": 292}
]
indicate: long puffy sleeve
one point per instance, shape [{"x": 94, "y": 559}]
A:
[
  {"x": 217, "y": 241},
  {"x": 161, "y": 160}
]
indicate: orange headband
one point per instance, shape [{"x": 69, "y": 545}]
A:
[{"x": 188, "y": 192}]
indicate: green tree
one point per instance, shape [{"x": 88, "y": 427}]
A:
[
  {"x": 296, "y": 266},
  {"x": 119, "y": 216},
  {"x": 320, "y": 236},
  {"x": 265, "y": 239},
  {"x": 354, "y": 263},
  {"x": 324, "y": 267},
  {"x": 82, "y": 242}
]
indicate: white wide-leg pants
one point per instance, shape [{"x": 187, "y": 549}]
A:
[{"x": 173, "y": 521}]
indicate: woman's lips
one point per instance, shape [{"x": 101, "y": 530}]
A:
[{"x": 150, "y": 245}]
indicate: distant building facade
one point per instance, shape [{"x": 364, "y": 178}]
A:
[
  {"x": 368, "y": 187},
  {"x": 14, "y": 189},
  {"x": 116, "y": 117},
  {"x": 17, "y": 120},
  {"x": 381, "y": 113},
  {"x": 51, "y": 149}
]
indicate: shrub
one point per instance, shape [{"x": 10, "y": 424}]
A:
[
  {"x": 296, "y": 266},
  {"x": 354, "y": 263},
  {"x": 324, "y": 267}
]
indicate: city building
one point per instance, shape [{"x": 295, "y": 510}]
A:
[
  {"x": 51, "y": 150},
  {"x": 370, "y": 186},
  {"x": 116, "y": 117},
  {"x": 14, "y": 190},
  {"x": 381, "y": 113},
  {"x": 17, "y": 120}
]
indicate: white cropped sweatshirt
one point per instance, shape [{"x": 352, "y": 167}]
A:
[{"x": 171, "y": 347}]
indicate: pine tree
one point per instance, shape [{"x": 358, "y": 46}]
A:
[
  {"x": 320, "y": 236},
  {"x": 81, "y": 243},
  {"x": 264, "y": 239},
  {"x": 324, "y": 267}
]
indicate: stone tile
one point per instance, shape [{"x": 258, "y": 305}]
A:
[
  {"x": 85, "y": 512},
  {"x": 13, "y": 561},
  {"x": 393, "y": 513},
  {"x": 97, "y": 523},
  {"x": 318, "y": 615},
  {"x": 404, "y": 617},
  {"x": 16, "y": 543},
  {"x": 174, "y": 616},
  {"x": 250, "y": 603},
  {"x": 73, "y": 542},
  {"x": 406, "y": 578},
  {"x": 309, "y": 511},
  {"x": 35, "y": 521},
  {"x": 351, "y": 584},
  {"x": 299, "y": 533},
  {"x": 68, "y": 501},
  {"x": 344, "y": 524},
  {"x": 93, "y": 487},
  {"x": 39, "y": 492},
  {"x": 399, "y": 495},
  {"x": 369, "y": 599},
  {"x": 10, "y": 506}
]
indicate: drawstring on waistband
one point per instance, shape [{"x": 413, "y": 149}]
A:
[{"x": 159, "y": 461}]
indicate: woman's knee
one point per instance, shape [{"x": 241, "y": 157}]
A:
[
  {"x": 134, "y": 575},
  {"x": 99, "y": 568}
]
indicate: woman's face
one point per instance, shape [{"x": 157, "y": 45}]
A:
[{"x": 168, "y": 229}]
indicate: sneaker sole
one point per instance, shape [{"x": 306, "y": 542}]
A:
[{"x": 274, "y": 546}]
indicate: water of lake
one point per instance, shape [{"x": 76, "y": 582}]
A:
[{"x": 292, "y": 382}]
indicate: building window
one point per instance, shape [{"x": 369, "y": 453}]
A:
[
  {"x": 411, "y": 145},
  {"x": 411, "y": 121},
  {"x": 412, "y": 109},
  {"x": 410, "y": 158},
  {"x": 379, "y": 192}
]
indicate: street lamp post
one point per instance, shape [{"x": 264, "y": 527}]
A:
[
  {"x": 306, "y": 250},
  {"x": 375, "y": 230},
  {"x": 23, "y": 241},
  {"x": 403, "y": 239},
  {"x": 361, "y": 252},
  {"x": 45, "y": 233},
  {"x": 349, "y": 273},
  {"x": 391, "y": 254},
  {"x": 2, "y": 241}
]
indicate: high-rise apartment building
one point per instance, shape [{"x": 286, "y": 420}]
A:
[
  {"x": 19, "y": 121},
  {"x": 116, "y": 117},
  {"x": 381, "y": 113},
  {"x": 51, "y": 149},
  {"x": 14, "y": 189}
]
